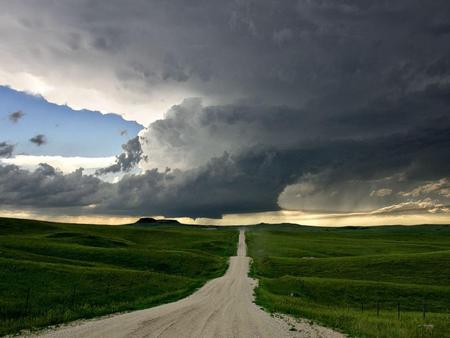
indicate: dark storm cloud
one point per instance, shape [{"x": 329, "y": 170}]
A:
[
  {"x": 225, "y": 184},
  {"x": 47, "y": 187},
  {"x": 251, "y": 167},
  {"x": 6, "y": 149},
  {"x": 341, "y": 175},
  {"x": 337, "y": 105},
  {"x": 324, "y": 175},
  {"x": 14, "y": 117},
  {"x": 442, "y": 28},
  {"x": 328, "y": 55},
  {"x": 173, "y": 70},
  {"x": 38, "y": 140}
]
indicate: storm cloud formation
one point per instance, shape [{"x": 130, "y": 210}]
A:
[
  {"x": 314, "y": 174},
  {"x": 328, "y": 56},
  {"x": 331, "y": 105},
  {"x": 47, "y": 187},
  {"x": 250, "y": 166}
]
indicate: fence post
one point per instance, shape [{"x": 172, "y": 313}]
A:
[
  {"x": 398, "y": 310},
  {"x": 73, "y": 295},
  {"x": 27, "y": 302}
]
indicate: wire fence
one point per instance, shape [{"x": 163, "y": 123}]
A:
[{"x": 36, "y": 301}]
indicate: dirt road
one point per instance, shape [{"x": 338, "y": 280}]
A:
[{"x": 223, "y": 307}]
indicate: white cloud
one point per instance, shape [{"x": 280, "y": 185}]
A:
[
  {"x": 426, "y": 204},
  {"x": 440, "y": 187},
  {"x": 381, "y": 192},
  {"x": 65, "y": 164}
]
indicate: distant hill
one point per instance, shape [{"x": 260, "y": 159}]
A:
[{"x": 149, "y": 220}]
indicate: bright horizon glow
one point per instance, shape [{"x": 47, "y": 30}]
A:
[
  {"x": 64, "y": 163},
  {"x": 273, "y": 217}
]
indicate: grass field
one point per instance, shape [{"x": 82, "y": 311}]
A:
[
  {"x": 366, "y": 282},
  {"x": 53, "y": 273}
]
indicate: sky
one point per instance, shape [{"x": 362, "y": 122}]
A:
[{"x": 322, "y": 112}]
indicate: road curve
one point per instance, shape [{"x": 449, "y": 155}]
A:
[{"x": 223, "y": 307}]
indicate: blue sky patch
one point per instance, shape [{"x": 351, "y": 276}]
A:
[{"x": 60, "y": 130}]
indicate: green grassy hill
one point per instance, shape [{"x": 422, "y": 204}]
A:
[
  {"x": 357, "y": 279},
  {"x": 53, "y": 273}
]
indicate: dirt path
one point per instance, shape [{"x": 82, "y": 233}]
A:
[{"x": 223, "y": 307}]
